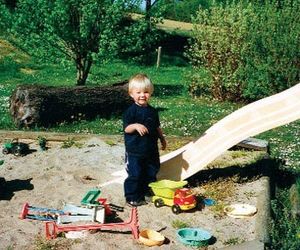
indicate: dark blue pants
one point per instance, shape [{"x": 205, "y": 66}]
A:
[{"x": 141, "y": 171}]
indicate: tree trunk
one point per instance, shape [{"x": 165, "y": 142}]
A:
[
  {"x": 32, "y": 105},
  {"x": 83, "y": 66},
  {"x": 148, "y": 15}
]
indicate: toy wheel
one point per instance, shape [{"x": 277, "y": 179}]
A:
[
  {"x": 17, "y": 151},
  {"x": 176, "y": 209},
  {"x": 158, "y": 203},
  {"x": 5, "y": 151},
  {"x": 199, "y": 205}
]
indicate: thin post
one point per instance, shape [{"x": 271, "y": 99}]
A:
[{"x": 158, "y": 57}]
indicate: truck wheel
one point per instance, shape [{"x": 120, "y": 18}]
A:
[
  {"x": 158, "y": 203},
  {"x": 176, "y": 209},
  {"x": 5, "y": 151},
  {"x": 17, "y": 151},
  {"x": 199, "y": 205}
]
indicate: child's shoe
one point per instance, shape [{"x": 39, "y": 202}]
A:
[{"x": 136, "y": 203}]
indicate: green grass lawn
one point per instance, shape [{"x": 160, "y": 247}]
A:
[{"x": 180, "y": 114}]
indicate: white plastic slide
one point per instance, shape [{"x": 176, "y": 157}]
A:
[{"x": 253, "y": 119}]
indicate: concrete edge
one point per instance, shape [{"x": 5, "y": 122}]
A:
[{"x": 263, "y": 212}]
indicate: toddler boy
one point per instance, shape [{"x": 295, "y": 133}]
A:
[{"x": 141, "y": 132}]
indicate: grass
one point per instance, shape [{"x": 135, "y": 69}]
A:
[
  {"x": 40, "y": 243},
  {"x": 218, "y": 190},
  {"x": 233, "y": 241},
  {"x": 177, "y": 224},
  {"x": 284, "y": 229},
  {"x": 71, "y": 142},
  {"x": 238, "y": 158}
]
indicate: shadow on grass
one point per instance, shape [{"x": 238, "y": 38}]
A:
[{"x": 264, "y": 167}]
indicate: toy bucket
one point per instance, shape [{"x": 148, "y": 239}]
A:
[
  {"x": 151, "y": 238},
  {"x": 166, "y": 188},
  {"x": 193, "y": 236}
]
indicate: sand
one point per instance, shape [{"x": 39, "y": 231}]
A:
[{"x": 58, "y": 176}]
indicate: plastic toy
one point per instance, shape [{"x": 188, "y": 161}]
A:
[
  {"x": 193, "y": 236},
  {"x": 209, "y": 202},
  {"x": 15, "y": 147},
  {"x": 39, "y": 213},
  {"x": 70, "y": 213},
  {"x": 90, "y": 197},
  {"x": 240, "y": 210},
  {"x": 107, "y": 207},
  {"x": 151, "y": 238},
  {"x": 90, "y": 200},
  {"x": 171, "y": 193},
  {"x": 52, "y": 229},
  {"x": 74, "y": 213}
]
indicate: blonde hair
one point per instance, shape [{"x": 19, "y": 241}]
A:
[{"x": 142, "y": 82}]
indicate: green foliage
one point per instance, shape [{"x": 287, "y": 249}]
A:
[
  {"x": 284, "y": 228},
  {"x": 42, "y": 141},
  {"x": 74, "y": 30},
  {"x": 249, "y": 50},
  {"x": 110, "y": 142},
  {"x": 272, "y": 61},
  {"x": 182, "y": 10},
  {"x": 219, "y": 38},
  {"x": 298, "y": 186},
  {"x": 233, "y": 241},
  {"x": 177, "y": 224},
  {"x": 9, "y": 66},
  {"x": 70, "y": 142},
  {"x": 285, "y": 144},
  {"x": 5, "y": 20},
  {"x": 142, "y": 38}
]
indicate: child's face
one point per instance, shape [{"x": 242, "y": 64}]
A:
[{"x": 140, "y": 96}]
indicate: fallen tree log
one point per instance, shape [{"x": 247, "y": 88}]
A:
[{"x": 38, "y": 105}]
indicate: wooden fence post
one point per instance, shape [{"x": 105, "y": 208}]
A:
[{"x": 158, "y": 57}]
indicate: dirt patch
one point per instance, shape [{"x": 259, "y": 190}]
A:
[{"x": 58, "y": 176}]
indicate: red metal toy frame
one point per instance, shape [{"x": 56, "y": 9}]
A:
[{"x": 52, "y": 229}]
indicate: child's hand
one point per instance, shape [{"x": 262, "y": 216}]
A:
[
  {"x": 163, "y": 143},
  {"x": 141, "y": 129}
]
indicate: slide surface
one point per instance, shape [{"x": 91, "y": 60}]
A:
[{"x": 252, "y": 119}]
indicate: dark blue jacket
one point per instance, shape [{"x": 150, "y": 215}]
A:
[{"x": 134, "y": 143}]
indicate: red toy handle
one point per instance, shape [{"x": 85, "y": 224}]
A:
[
  {"x": 24, "y": 211},
  {"x": 51, "y": 230},
  {"x": 102, "y": 201}
]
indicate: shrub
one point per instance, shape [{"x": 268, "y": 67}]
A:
[
  {"x": 249, "y": 51},
  {"x": 272, "y": 61},
  {"x": 284, "y": 228},
  {"x": 219, "y": 40}
]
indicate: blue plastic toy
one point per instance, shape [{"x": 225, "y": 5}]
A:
[{"x": 193, "y": 236}]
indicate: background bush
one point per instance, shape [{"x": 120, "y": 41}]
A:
[{"x": 248, "y": 50}]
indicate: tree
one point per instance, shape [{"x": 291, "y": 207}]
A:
[
  {"x": 5, "y": 17},
  {"x": 11, "y": 4},
  {"x": 74, "y": 29},
  {"x": 142, "y": 35}
]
